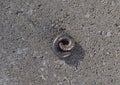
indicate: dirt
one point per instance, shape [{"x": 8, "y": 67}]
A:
[{"x": 27, "y": 31}]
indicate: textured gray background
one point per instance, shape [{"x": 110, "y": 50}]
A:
[{"x": 28, "y": 27}]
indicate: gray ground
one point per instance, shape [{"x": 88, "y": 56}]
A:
[{"x": 28, "y": 27}]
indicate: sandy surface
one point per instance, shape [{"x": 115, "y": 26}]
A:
[{"x": 28, "y": 28}]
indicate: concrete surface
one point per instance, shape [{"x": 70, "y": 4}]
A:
[{"x": 28, "y": 27}]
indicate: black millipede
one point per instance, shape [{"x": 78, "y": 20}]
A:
[{"x": 63, "y": 45}]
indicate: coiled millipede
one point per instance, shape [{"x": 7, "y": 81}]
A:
[{"x": 63, "y": 45}]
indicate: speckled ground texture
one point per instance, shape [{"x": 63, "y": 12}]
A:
[{"x": 28, "y": 28}]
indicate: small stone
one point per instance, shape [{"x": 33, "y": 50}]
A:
[
  {"x": 54, "y": 75},
  {"x": 100, "y": 32},
  {"x": 21, "y": 50},
  {"x": 59, "y": 62},
  {"x": 30, "y": 12},
  {"x": 46, "y": 52},
  {"x": 109, "y": 34},
  {"x": 103, "y": 63},
  {"x": 113, "y": 3},
  {"x": 43, "y": 77},
  {"x": 42, "y": 69},
  {"x": 87, "y": 15}
]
